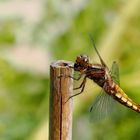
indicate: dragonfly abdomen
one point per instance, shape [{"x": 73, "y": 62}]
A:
[{"x": 119, "y": 95}]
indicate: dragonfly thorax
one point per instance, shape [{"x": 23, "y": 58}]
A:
[{"x": 97, "y": 73}]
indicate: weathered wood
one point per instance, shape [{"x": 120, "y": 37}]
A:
[{"x": 61, "y": 88}]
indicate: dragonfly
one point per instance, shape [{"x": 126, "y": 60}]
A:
[{"x": 107, "y": 79}]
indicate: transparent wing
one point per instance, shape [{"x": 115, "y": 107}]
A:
[
  {"x": 101, "y": 107},
  {"x": 115, "y": 73},
  {"x": 103, "y": 104}
]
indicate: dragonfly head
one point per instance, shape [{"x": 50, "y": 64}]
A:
[{"x": 82, "y": 62}]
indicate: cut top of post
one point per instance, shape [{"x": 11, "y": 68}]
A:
[{"x": 62, "y": 64}]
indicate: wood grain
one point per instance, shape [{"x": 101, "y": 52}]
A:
[{"x": 60, "y": 111}]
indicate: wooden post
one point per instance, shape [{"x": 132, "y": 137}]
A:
[{"x": 61, "y": 88}]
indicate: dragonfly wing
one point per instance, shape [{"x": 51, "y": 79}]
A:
[
  {"x": 115, "y": 73},
  {"x": 101, "y": 107},
  {"x": 104, "y": 104}
]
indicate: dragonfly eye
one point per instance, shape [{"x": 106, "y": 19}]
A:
[
  {"x": 81, "y": 63},
  {"x": 84, "y": 58},
  {"x": 78, "y": 59}
]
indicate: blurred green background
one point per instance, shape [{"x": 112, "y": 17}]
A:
[{"x": 34, "y": 33}]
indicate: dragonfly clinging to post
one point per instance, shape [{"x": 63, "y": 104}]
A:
[{"x": 101, "y": 75}]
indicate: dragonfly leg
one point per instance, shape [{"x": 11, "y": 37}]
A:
[
  {"x": 80, "y": 85},
  {"x": 83, "y": 87},
  {"x": 69, "y": 76},
  {"x": 76, "y": 78}
]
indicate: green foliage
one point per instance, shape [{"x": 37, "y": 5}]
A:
[
  {"x": 7, "y": 35},
  {"x": 22, "y": 94}
]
